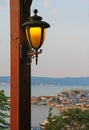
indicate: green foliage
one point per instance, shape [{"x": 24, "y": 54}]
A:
[
  {"x": 71, "y": 119},
  {"x": 4, "y": 109}
]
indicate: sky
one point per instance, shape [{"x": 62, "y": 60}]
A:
[{"x": 66, "y": 47}]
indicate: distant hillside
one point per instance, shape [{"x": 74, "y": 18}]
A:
[
  {"x": 78, "y": 81},
  {"x": 4, "y": 79}
]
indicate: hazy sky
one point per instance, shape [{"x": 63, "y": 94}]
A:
[{"x": 66, "y": 47}]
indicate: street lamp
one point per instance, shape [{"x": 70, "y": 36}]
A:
[{"x": 35, "y": 32}]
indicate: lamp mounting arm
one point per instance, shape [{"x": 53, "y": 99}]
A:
[
  {"x": 27, "y": 5},
  {"x": 34, "y": 54},
  {"x": 27, "y": 53}
]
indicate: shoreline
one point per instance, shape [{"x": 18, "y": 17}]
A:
[{"x": 77, "y": 98}]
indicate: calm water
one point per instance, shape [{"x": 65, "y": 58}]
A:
[
  {"x": 52, "y": 90},
  {"x": 44, "y": 90},
  {"x": 39, "y": 113}
]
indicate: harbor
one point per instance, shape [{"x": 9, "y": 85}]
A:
[{"x": 74, "y": 98}]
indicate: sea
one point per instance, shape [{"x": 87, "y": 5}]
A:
[{"x": 40, "y": 112}]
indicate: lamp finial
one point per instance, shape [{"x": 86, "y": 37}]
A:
[{"x": 35, "y": 11}]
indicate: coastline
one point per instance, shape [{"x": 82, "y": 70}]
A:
[{"x": 75, "y": 98}]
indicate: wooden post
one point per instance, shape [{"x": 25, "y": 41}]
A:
[{"x": 20, "y": 118}]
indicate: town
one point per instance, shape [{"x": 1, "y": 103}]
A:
[{"x": 77, "y": 98}]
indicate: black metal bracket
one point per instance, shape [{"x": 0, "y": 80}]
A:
[
  {"x": 27, "y": 54},
  {"x": 27, "y": 5}
]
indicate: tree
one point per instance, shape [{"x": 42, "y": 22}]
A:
[
  {"x": 71, "y": 119},
  {"x": 4, "y": 108},
  {"x": 53, "y": 122}
]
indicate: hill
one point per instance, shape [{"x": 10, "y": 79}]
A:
[
  {"x": 78, "y": 81},
  {"x": 5, "y": 79}
]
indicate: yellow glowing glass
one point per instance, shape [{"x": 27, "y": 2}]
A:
[
  {"x": 35, "y": 36},
  {"x": 44, "y": 34},
  {"x": 27, "y": 35}
]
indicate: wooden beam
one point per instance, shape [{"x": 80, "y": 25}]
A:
[{"x": 20, "y": 72}]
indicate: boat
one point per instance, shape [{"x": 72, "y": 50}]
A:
[{"x": 44, "y": 123}]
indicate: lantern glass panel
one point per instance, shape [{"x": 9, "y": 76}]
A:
[
  {"x": 44, "y": 35},
  {"x": 27, "y": 35},
  {"x": 34, "y": 35}
]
